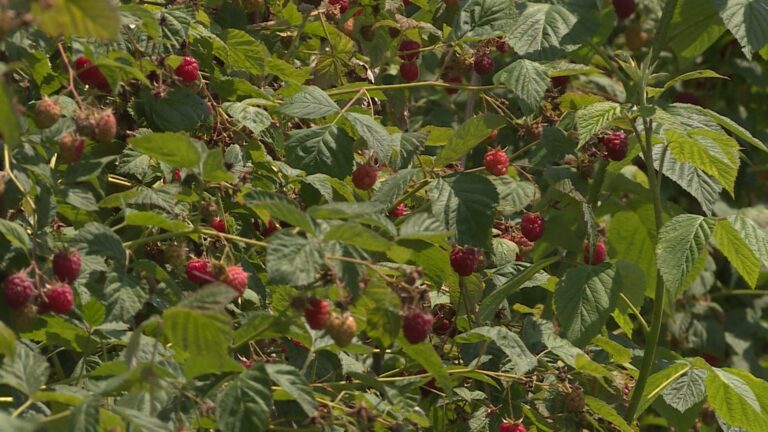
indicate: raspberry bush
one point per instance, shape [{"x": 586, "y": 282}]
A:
[{"x": 464, "y": 215}]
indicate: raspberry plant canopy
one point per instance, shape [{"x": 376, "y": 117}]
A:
[{"x": 385, "y": 215}]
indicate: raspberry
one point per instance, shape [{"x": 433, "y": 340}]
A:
[
  {"x": 219, "y": 224},
  {"x": 47, "y": 113},
  {"x": 560, "y": 82},
  {"x": 265, "y": 229},
  {"x": 91, "y": 75},
  {"x": 502, "y": 45},
  {"x": 342, "y": 329},
  {"x": 364, "y": 177},
  {"x": 71, "y": 148},
  {"x": 106, "y": 127},
  {"x": 511, "y": 427},
  {"x": 483, "y": 64},
  {"x": 453, "y": 79},
  {"x": 175, "y": 254},
  {"x": 574, "y": 400},
  {"x": 599, "y": 255},
  {"x": 417, "y": 325},
  {"x": 85, "y": 122},
  {"x": 496, "y": 162},
  {"x": 409, "y": 71},
  {"x": 177, "y": 175},
  {"x": 407, "y": 3},
  {"x": 317, "y": 313},
  {"x": 199, "y": 271},
  {"x": 519, "y": 239},
  {"x": 188, "y": 70},
  {"x": 398, "y": 211},
  {"x": 443, "y": 314},
  {"x": 624, "y": 8},
  {"x": 57, "y": 298},
  {"x": 464, "y": 260},
  {"x": 18, "y": 290},
  {"x": 409, "y": 45},
  {"x": 710, "y": 358},
  {"x": 532, "y": 226},
  {"x": 688, "y": 98},
  {"x": 343, "y": 4},
  {"x": 66, "y": 265},
  {"x": 237, "y": 278},
  {"x": 247, "y": 363},
  {"x": 615, "y": 145},
  {"x": 492, "y": 136}
]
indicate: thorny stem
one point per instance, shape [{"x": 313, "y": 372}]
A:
[
  {"x": 14, "y": 179},
  {"x": 442, "y": 84},
  {"x": 71, "y": 73}
]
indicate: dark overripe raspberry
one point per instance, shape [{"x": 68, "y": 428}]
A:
[
  {"x": 687, "y": 98},
  {"x": 364, "y": 177},
  {"x": 409, "y": 71},
  {"x": 464, "y": 260},
  {"x": 18, "y": 290},
  {"x": 188, "y": 70},
  {"x": 342, "y": 329},
  {"x": 47, "y": 113},
  {"x": 624, "y": 8},
  {"x": 496, "y": 162},
  {"x": 57, "y": 298},
  {"x": 91, "y": 75},
  {"x": 66, "y": 265},
  {"x": 199, "y": 271},
  {"x": 417, "y": 325},
  {"x": 615, "y": 145},
  {"x": 599, "y": 254},
  {"x": 317, "y": 313},
  {"x": 342, "y": 4},
  {"x": 560, "y": 82},
  {"x": 237, "y": 278},
  {"x": 502, "y": 45},
  {"x": 483, "y": 64},
  {"x": 405, "y": 48},
  {"x": 532, "y": 226}
]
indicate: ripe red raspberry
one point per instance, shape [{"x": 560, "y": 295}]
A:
[
  {"x": 483, "y": 64},
  {"x": 560, "y": 82},
  {"x": 343, "y": 4},
  {"x": 496, "y": 162},
  {"x": 177, "y": 175},
  {"x": 409, "y": 45},
  {"x": 624, "y": 8},
  {"x": 57, "y": 298},
  {"x": 18, "y": 290},
  {"x": 247, "y": 363},
  {"x": 342, "y": 329},
  {"x": 199, "y": 271},
  {"x": 502, "y": 45},
  {"x": 219, "y": 224},
  {"x": 66, "y": 265},
  {"x": 188, "y": 70},
  {"x": 317, "y": 313},
  {"x": 265, "y": 229},
  {"x": 365, "y": 177},
  {"x": 453, "y": 79},
  {"x": 532, "y": 226},
  {"x": 464, "y": 260},
  {"x": 511, "y": 427},
  {"x": 443, "y": 314},
  {"x": 409, "y": 71},
  {"x": 71, "y": 148},
  {"x": 398, "y": 211},
  {"x": 47, "y": 113},
  {"x": 237, "y": 278},
  {"x": 106, "y": 127},
  {"x": 599, "y": 255},
  {"x": 91, "y": 75},
  {"x": 417, "y": 325},
  {"x": 615, "y": 145}
]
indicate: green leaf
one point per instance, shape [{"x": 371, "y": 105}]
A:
[
  {"x": 712, "y": 152},
  {"x": 9, "y": 122},
  {"x": 695, "y": 27},
  {"x": 466, "y": 204},
  {"x": 483, "y": 18},
  {"x": 325, "y": 149},
  {"x": 595, "y": 117},
  {"x": 660, "y": 381},
  {"x": 94, "y": 313},
  {"x": 686, "y": 391},
  {"x": 99, "y": 240},
  {"x": 292, "y": 382},
  {"x": 520, "y": 358},
  {"x": 632, "y": 236},
  {"x": 470, "y": 134},
  {"x": 253, "y": 118},
  {"x": 681, "y": 251},
  {"x": 179, "y": 110},
  {"x": 542, "y": 28},
  {"x": 355, "y": 234},
  {"x": 25, "y": 370},
  {"x": 85, "y": 18},
  {"x": 514, "y": 195},
  {"x": 490, "y": 304},
  {"x": 704, "y": 73},
  {"x": 528, "y": 80},
  {"x": 142, "y": 421},
  {"x": 244, "y": 405},
  {"x": 378, "y": 139},
  {"x": 280, "y": 207},
  {"x": 731, "y": 126},
  {"x": 214, "y": 169},
  {"x": 696, "y": 182},
  {"x": 311, "y": 102},
  {"x": 608, "y": 413},
  {"x": 584, "y": 299},
  {"x": 85, "y": 416},
  {"x": 393, "y": 187},
  {"x": 748, "y": 21},
  {"x": 738, "y": 252},
  {"x": 734, "y": 401},
  {"x": 15, "y": 234},
  {"x": 146, "y": 218},
  {"x": 539, "y": 331},
  {"x": 754, "y": 237},
  {"x": 293, "y": 260},
  {"x": 424, "y": 353},
  {"x": 175, "y": 149}
]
